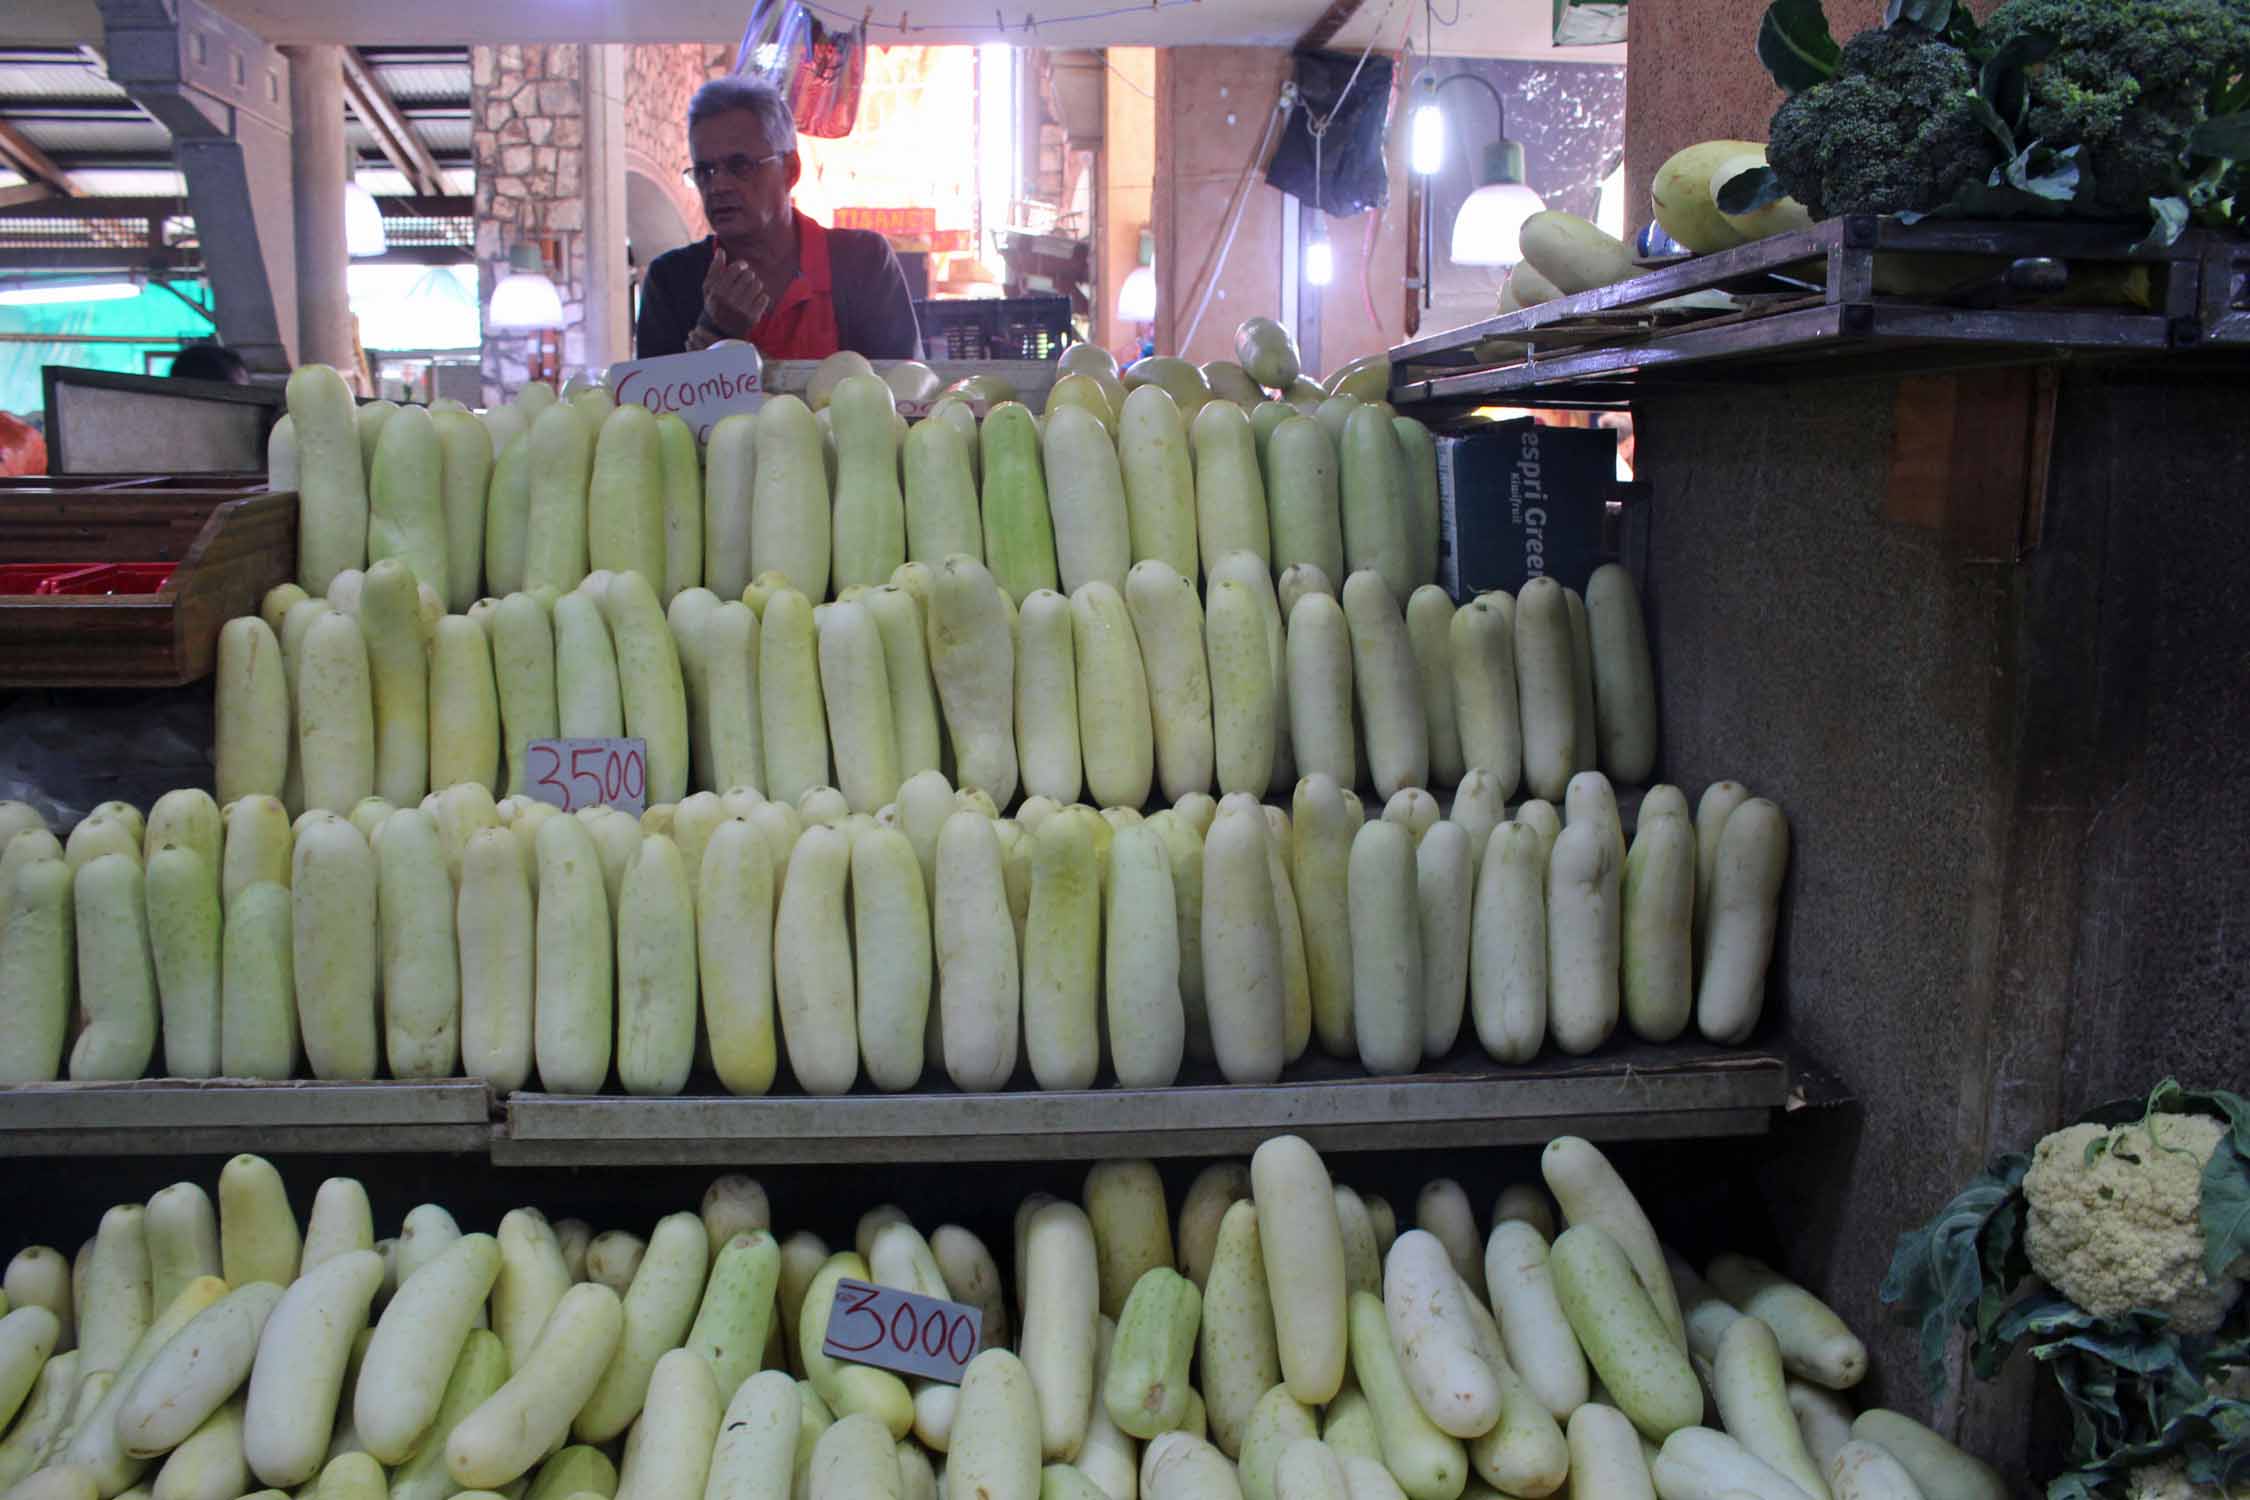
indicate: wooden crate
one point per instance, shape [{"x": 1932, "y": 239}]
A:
[{"x": 230, "y": 547}]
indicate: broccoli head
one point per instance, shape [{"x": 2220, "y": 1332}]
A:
[
  {"x": 2126, "y": 81},
  {"x": 1893, "y": 131}
]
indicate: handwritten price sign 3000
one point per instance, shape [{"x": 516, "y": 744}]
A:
[{"x": 901, "y": 1332}]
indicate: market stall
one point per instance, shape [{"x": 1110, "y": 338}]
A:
[{"x": 1264, "y": 932}]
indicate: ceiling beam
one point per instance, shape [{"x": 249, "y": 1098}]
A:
[
  {"x": 27, "y": 192},
  {"x": 1332, "y": 20},
  {"x": 392, "y": 130},
  {"x": 17, "y": 151}
]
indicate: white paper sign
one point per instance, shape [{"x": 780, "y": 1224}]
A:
[
  {"x": 700, "y": 387},
  {"x": 902, "y": 1332},
  {"x": 572, "y": 774}
]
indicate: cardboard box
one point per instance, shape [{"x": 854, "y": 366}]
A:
[{"x": 1518, "y": 501}]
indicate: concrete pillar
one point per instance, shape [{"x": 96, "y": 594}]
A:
[
  {"x": 316, "y": 99},
  {"x": 608, "y": 282}
]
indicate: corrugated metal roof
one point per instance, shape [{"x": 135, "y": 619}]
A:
[
  {"x": 57, "y": 76},
  {"x": 446, "y": 136},
  {"x": 70, "y": 139},
  {"x": 419, "y": 83}
]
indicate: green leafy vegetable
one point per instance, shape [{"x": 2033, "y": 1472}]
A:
[
  {"x": 1930, "y": 15},
  {"x": 1947, "y": 1270},
  {"x": 1796, "y": 46}
]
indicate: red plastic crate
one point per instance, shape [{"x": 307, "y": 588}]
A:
[{"x": 51, "y": 580}]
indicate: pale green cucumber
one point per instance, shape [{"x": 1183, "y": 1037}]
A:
[
  {"x": 941, "y": 493},
  {"x": 681, "y": 478},
  {"x": 251, "y": 712},
  {"x": 869, "y": 516},
  {"x": 1487, "y": 719},
  {"x": 507, "y": 516},
  {"x": 1630, "y": 1346},
  {"x": 789, "y": 512},
  {"x": 1062, "y": 948},
  {"x": 331, "y": 477},
  {"x": 649, "y": 682},
  {"x": 560, "y": 463},
  {"x": 523, "y": 669},
  {"x": 464, "y": 707},
  {"x": 335, "y": 714},
  {"x": 1230, "y": 497},
  {"x": 1086, "y": 495},
  {"x": 1019, "y": 532},
  {"x": 1303, "y": 496},
  {"x": 625, "y": 497},
  {"x": 116, "y": 971},
  {"x": 972, "y": 656},
  {"x": 406, "y": 497},
  {"x": 398, "y": 661},
  {"x": 1114, "y": 729},
  {"x": 464, "y": 486},
  {"x": 1418, "y": 457},
  {"x": 1159, "y": 476},
  {"x": 1047, "y": 750},
  {"x": 730, "y": 466},
  {"x": 183, "y": 929},
  {"x": 38, "y": 970},
  {"x": 587, "y": 702},
  {"x": 574, "y": 963}
]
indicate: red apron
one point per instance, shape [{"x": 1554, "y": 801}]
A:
[{"x": 802, "y": 324}]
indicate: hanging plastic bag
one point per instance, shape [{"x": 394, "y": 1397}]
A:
[
  {"x": 824, "y": 86},
  {"x": 1353, "y": 175},
  {"x": 773, "y": 42}
]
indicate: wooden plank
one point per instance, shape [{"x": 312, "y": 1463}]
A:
[
  {"x": 17, "y": 150},
  {"x": 393, "y": 131},
  {"x": 1969, "y": 457}
]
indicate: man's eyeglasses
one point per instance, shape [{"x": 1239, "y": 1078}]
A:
[{"x": 739, "y": 167}]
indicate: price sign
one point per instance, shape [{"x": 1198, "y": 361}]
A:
[
  {"x": 701, "y": 387},
  {"x": 901, "y": 1332},
  {"x": 572, "y": 774}
]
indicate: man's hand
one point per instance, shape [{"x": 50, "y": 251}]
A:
[{"x": 734, "y": 299}]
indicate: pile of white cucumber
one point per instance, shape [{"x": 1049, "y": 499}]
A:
[
  {"x": 511, "y": 941},
  {"x": 1289, "y": 1344}
]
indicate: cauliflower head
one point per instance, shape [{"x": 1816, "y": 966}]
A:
[{"x": 2122, "y": 1231}]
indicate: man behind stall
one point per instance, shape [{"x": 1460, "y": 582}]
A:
[{"x": 767, "y": 273}]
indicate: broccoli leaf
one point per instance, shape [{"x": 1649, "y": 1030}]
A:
[
  {"x": 2052, "y": 175},
  {"x": 2001, "y": 83},
  {"x": 1947, "y": 1269},
  {"x": 1931, "y": 15},
  {"x": 2224, "y": 135},
  {"x": 1749, "y": 190},
  {"x": 2168, "y": 220},
  {"x": 1796, "y": 46}
]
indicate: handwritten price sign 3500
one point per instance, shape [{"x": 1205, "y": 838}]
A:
[
  {"x": 901, "y": 1332},
  {"x": 572, "y": 774}
]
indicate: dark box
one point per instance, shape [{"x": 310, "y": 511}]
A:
[{"x": 1519, "y": 501}]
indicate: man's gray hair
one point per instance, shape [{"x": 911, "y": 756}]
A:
[{"x": 760, "y": 99}]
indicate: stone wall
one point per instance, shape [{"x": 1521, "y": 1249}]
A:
[
  {"x": 528, "y": 133},
  {"x": 659, "y": 82}
]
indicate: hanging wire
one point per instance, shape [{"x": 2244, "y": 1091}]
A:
[{"x": 1030, "y": 22}]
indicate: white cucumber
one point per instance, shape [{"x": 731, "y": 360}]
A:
[
  {"x": 464, "y": 707},
  {"x": 335, "y": 714},
  {"x": 899, "y": 618},
  {"x": 465, "y": 479},
  {"x": 1062, "y": 954},
  {"x": 1245, "y": 569},
  {"x": 1589, "y": 1191},
  {"x": 1487, "y": 716},
  {"x": 587, "y": 705},
  {"x": 1141, "y": 970},
  {"x": 494, "y": 936},
  {"x": 421, "y": 967},
  {"x": 1939, "y": 1470},
  {"x": 1864, "y": 1471},
  {"x": 1658, "y": 896},
  {"x": 1425, "y": 1309},
  {"x": 1753, "y": 1401},
  {"x": 398, "y": 661},
  {"x": 182, "y": 895},
  {"x": 1183, "y": 847},
  {"x": 668, "y": 1454},
  {"x": 251, "y": 711},
  {"x": 1378, "y": 525},
  {"x": 1537, "y": 1335},
  {"x": 1387, "y": 683},
  {"x": 1159, "y": 476},
  {"x": 656, "y": 971},
  {"x": 1815, "y": 1344},
  {"x": 1061, "y": 1324},
  {"x": 649, "y": 682},
  {"x": 1605, "y": 1454},
  {"x": 330, "y": 480},
  {"x": 523, "y": 671},
  {"x": 1086, "y": 494},
  {"x": 1244, "y": 985},
  {"x": 734, "y": 940},
  {"x": 1240, "y": 1357},
  {"x": 561, "y": 463},
  {"x": 406, "y": 496},
  {"x": 1583, "y": 717},
  {"x": 972, "y": 656},
  {"x": 1624, "y": 677},
  {"x": 1700, "y": 1463},
  {"x": 1320, "y": 835},
  {"x": 1319, "y": 661},
  {"x": 1302, "y": 1243},
  {"x": 1229, "y": 491},
  {"x": 1429, "y": 630},
  {"x": 996, "y": 1449},
  {"x": 793, "y": 723},
  {"x": 757, "y": 1441},
  {"x": 730, "y": 676},
  {"x": 298, "y": 1376},
  {"x": 856, "y": 694},
  {"x": 1047, "y": 753},
  {"x": 1168, "y": 625},
  {"x": 1753, "y": 857},
  {"x": 1583, "y": 919},
  {"x": 813, "y": 980},
  {"x": 940, "y": 494},
  {"x": 1242, "y": 689},
  {"x": 978, "y": 986},
  {"x": 625, "y": 496},
  {"x": 417, "y": 1342},
  {"x": 522, "y": 1421},
  {"x": 1115, "y": 732},
  {"x": 1276, "y": 1422},
  {"x": 730, "y": 464},
  {"x": 681, "y": 466},
  {"x": 574, "y": 961},
  {"x": 1388, "y": 988},
  {"x": 182, "y": 1229},
  {"x": 1418, "y": 456},
  {"x": 658, "y": 1310},
  {"x": 1508, "y": 945},
  {"x": 1302, "y": 497},
  {"x": 1546, "y": 688},
  {"x": 789, "y": 510},
  {"x": 507, "y": 511},
  {"x": 1444, "y": 879},
  {"x": 1427, "y": 1462},
  {"x": 869, "y": 517},
  {"x": 1635, "y": 1353},
  {"x": 891, "y": 928}
]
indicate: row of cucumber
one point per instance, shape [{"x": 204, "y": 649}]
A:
[
  {"x": 1117, "y": 695},
  {"x": 508, "y": 940},
  {"x": 537, "y": 494},
  {"x": 1292, "y": 1340}
]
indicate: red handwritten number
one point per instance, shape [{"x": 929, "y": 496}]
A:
[
  {"x": 548, "y": 777},
  {"x": 636, "y": 774},
  {"x": 904, "y": 1343},
  {"x": 861, "y": 1305},
  {"x": 953, "y": 1337},
  {"x": 613, "y": 780},
  {"x": 933, "y": 1333},
  {"x": 578, "y": 768}
]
